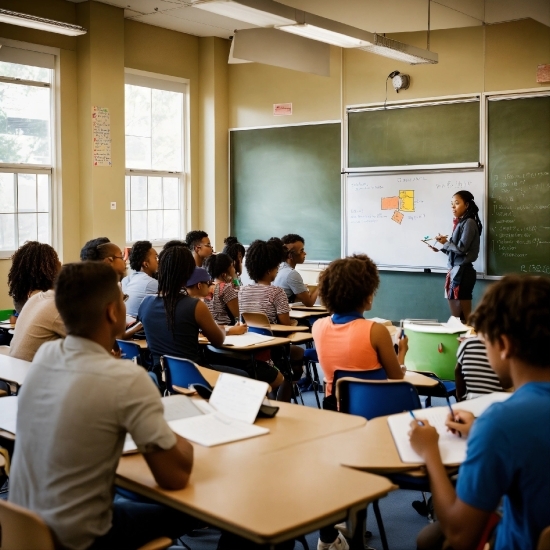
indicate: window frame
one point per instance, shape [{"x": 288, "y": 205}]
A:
[
  {"x": 23, "y": 53},
  {"x": 168, "y": 83}
]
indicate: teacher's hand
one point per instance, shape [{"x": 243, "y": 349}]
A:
[{"x": 441, "y": 239}]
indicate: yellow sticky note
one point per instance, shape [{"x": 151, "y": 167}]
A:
[{"x": 406, "y": 199}]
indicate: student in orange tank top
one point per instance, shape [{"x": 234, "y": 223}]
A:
[{"x": 346, "y": 340}]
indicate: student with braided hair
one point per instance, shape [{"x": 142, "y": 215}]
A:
[
  {"x": 236, "y": 251},
  {"x": 34, "y": 267},
  {"x": 142, "y": 281},
  {"x": 462, "y": 250}
]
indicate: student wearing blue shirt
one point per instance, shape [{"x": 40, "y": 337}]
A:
[{"x": 509, "y": 445}]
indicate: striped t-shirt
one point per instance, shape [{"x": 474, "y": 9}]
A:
[
  {"x": 479, "y": 377},
  {"x": 217, "y": 302},
  {"x": 270, "y": 300}
]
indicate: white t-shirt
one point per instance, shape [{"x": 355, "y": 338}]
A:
[{"x": 74, "y": 410}]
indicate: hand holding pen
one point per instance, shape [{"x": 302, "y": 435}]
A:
[
  {"x": 460, "y": 422},
  {"x": 424, "y": 437}
]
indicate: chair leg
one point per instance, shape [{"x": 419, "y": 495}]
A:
[
  {"x": 380, "y": 523},
  {"x": 357, "y": 541},
  {"x": 314, "y": 376}
]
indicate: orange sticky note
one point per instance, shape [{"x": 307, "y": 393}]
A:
[
  {"x": 390, "y": 203},
  {"x": 397, "y": 217}
]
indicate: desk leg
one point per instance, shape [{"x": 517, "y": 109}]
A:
[{"x": 357, "y": 541}]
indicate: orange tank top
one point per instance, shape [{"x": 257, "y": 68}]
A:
[{"x": 344, "y": 347}]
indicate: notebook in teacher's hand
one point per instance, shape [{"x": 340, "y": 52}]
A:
[{"x": 451, "y": 447}]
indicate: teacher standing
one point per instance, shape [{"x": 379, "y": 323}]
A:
[{"x": 462, "y": 250}]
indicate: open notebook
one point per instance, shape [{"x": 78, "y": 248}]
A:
[
  {"x": 8, "y": 413},
  {"x": 229, "y": 416},
  {"x": 451, "y": 447}
]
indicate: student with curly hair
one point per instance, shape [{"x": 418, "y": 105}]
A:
[
  {"x": 199, "y": 244},
  {"x": 223, "y": 303},
  {"x": 347, "y": 340},
  {"x": 141, "y": 281},
  {"x": 236, "y": 251},
  {"x": 35, "y": 266},
  {"x": 505, "y": 465},
  {"x": 262, "y": 263}
]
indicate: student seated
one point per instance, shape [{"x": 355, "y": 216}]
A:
[
  {"x": 172, "y": 319},
  {"x": 288, "y": 278},
  {"x": 103, "y": 250},
  {"x": 200, "y": 285},
  {"x": 223, "y": 302},
  {"x": 346, "y": 340},
  {"x": 39, "y": 320},
  {"x": 509, "y": 444},
  {"x": 473, "y": 373},
  {"x": 75, "y": 408},
  {"x": 262, "y": 263},
  {"x": 144, "y": 263},
  {"x": 199, "y": 244},
  {"x": 34, "y": 267},
  {"x": 236, "y": 251}
]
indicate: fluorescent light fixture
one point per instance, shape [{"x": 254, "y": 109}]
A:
[
  {"x": 263, "y": 13},
  {"x": 32, "y": 22},
  {"x": 325, "y": 35},
  {"x": 326, "y": 30},
  {"x": 400, "y": 51}
]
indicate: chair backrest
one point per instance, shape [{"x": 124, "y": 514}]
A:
[
  {"x": 129, "y": 349},
  {"x": 373, "y": 398},
  {"x": 544, "y": 540},
  {"x": 5, "y": 314},
  {"x": 181, "y": 372},
  {"x": 256, "y": 319},
  {"x": 23, "y": 529},
  {"x": 373, "y": 374}
]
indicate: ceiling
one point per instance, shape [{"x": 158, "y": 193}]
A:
[{"x": 372, "y": 15}]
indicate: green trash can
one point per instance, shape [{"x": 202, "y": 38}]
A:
[
  {"x": 5, "y": 314},
  {"x": 433, "y": 347}
]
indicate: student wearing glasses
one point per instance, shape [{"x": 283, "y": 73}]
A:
[
  {"x": 103, "y": 250},
  {"x": 200, "y": 245}
]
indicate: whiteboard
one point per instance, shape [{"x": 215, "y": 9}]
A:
[{"x": 388, "y": 215}]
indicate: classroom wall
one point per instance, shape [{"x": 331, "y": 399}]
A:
[{"x": 471, "y": 60}]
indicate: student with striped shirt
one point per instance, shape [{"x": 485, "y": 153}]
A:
[
  {"x": 262, "y": 263},
  {"x": 223, "y": 303},
  {"x": 473, "y": 373}
]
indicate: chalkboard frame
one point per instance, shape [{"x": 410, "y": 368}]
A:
[
  {"x": 312, "y": 260},
  {"x": 413, "y": 104}
]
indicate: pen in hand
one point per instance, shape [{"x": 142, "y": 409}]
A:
[
  {"x": 455, "y": 419},
  {"x": 419, "y": 422}
]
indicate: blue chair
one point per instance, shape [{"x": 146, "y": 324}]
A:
[
  {"x": 374, "y": 374},
  {"x": 444, "y": 388},
  {"x": 130, "y": 350},
  {"x": 373, "y": 398},
  {"x": 181, "y": 372}
]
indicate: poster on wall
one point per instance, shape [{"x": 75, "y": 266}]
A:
[{"x": 101, "y": 136}]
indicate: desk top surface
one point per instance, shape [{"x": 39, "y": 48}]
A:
[
  {"x": 13, "y": 370},
  {"x": 231, "y": 485}
]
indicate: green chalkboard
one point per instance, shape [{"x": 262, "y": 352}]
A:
[
  {"x": 287, "y": 180},
  {"x": 428, "y": 134},
  {"x": 519, "y": 186}
]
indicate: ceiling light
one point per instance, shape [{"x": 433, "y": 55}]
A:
[
  {"x": 326, "y": 30},
  {"x": 325, "y": 35},
  {"x": 263, "y": 13},
  {"x": 401, "y": 52},
  {"x": 32, "y": 22}
]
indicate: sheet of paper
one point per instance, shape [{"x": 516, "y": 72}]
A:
[
  {"x": 244, "y": 340},
  {"x": 215, "y": 429},
  {"x": 238, "y": 397},
  {"x": 8, "y": 413},
  {"x": 451, "y": 447},
  {"x": 101, "y": 136},
  {"x": 175, "y": 407},
  {"x": 480, "y": 404}
]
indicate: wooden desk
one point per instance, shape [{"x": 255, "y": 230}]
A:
[
  {"x": 301, "y": 307},
  {"x": 245, "y": 487},
  {"x": 285, "y": 329},
  {"x": 14, "y": 371},
  {"x": 419, "y": 380}
]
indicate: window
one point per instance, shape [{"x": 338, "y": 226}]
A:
[
  {"x": 26, "y": 105},
  {"x": 155, "y": 163}
]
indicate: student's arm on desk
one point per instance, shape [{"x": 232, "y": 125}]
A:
[
  {"x": 381, "y": 341},
  {"x": 171, "y": 468},
  {"x": 452, "y": 513},
  {"x": 209, "y": 328},
  {"x": 284, "y": 319},
  {"x": 308, "y": 298}
]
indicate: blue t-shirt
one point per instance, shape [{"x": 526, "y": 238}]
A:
[
  {"x": 138, "y": 285},
  {"x": 509, "y": 457}
]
